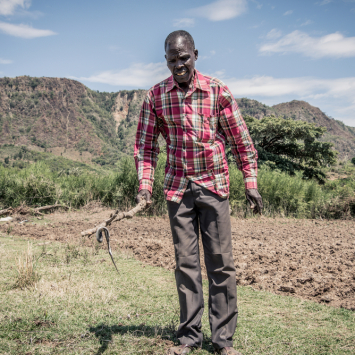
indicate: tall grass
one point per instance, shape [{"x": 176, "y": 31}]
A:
[
  {"x": 26, "y": 274},
  {"x": 282, "y": 194}
]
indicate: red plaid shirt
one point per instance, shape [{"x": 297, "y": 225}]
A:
[{"x": 196, "y": 126}]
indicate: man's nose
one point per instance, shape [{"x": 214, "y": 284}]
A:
[{"x": 179, "y": 64}]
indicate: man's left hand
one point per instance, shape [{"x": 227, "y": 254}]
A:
[{"x": 255, "y": 200}]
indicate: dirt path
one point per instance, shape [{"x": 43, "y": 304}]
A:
[{"x": 309, "y": 259}]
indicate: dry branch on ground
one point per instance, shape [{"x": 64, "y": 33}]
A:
[
  {"x": 6, "y": 211},
  {"x": 24, "y": 210}
]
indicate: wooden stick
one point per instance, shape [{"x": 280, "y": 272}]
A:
[
  {"x": 117, "y": 216},
  {"x": 8, "y": 210},
  {"x": 28, "y": 210},
  {"x": 44, "y": 208}
]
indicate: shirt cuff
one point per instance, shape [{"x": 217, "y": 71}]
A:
[
  {"x": 251, "y": 183},
  {"x": 146, "y": 185}
]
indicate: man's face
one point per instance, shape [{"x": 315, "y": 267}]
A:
[{"x": 180, "y": 58}]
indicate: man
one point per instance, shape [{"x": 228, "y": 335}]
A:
[{"x": 197, "y": 115}]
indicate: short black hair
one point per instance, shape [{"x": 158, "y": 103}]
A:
[{"x": 180, "y": 33}]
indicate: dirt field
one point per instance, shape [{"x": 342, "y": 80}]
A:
[{"x": 304, "y": 258}]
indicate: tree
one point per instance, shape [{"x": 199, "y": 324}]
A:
[
  {"x": 353, "y": 160},
  {"x": 290, "y": 145}
]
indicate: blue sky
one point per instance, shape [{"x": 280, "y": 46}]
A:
[{"x": 272, "y": 51}]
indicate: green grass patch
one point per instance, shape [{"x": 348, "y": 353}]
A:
[
  {"x": 20, "y": 157},
  {"x": 43, "y": 183},
  {"x": 80, "y": 305}
]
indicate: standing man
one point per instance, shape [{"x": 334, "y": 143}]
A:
[{"x": 197, "y": 115}]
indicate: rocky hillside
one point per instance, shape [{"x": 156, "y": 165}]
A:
[
  {"x": 64, "y": 117},
  {"x": 342, "y": 136}
]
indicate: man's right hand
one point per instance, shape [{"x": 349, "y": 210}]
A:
[{"x": 144, "y": 194}]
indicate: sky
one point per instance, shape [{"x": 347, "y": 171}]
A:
[{"x": 271, "y": 51}]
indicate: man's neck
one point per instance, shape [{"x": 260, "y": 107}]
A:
[{"x": 186, "y": 86}]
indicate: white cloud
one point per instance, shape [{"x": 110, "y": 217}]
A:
[
  {"x": 304, "y": 86},
  {"x": 324, "y": 2},
  {"x": 221, "y": 10},
  {"x": 24, "y": 31},
  {"x": 258, "y": 5},
  {"x": 184, "y": 22},
  {"x": 138, "y": 75},
  {"x": 289, "y": 12},
  {"x": 8, "y": 7},
  {"x": 336, "y": 96},
  {"x": 332, "y": 45},
  {"x": 274, "y": 33},
  {"x": 204, "y": 57},
  {"x": 257, "y": 25},
  {"x": 306, "y": 23},
  {"x": 5, "y": 61}
]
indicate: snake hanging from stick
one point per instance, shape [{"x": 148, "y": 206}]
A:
[{"x": 102, "y": 227}]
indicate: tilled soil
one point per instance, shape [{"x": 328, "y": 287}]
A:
[{"x": 308, "y": 259}]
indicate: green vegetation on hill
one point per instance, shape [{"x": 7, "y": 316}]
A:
[
  {"x": 59, "y": 112},
  {"x": 21, "y": 157},
  {"x": 291, "y": 146},
  {"x": 51, "y": 112},
  {"x": 284, "y": 195},
  {"x": 43, "y": 115},
  {"x": 342, "y": 136}
]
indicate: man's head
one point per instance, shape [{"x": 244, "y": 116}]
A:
[{"x": 180, "y": 55}]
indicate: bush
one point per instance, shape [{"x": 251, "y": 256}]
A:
[{"x": 282, "y": 194}]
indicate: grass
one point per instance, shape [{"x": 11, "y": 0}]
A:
[
  {"x": 54, "y": 179},
  {"x": 81, "y": 305},
  {"x": 21, "y": 157},
  {"x": 283, "y": 195},
  {"x": 26, "y": 273}
]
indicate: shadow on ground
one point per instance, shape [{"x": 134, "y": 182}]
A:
[{"x": 163, "y": 336}]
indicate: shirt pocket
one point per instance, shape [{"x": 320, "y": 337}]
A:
[
  {"x": 213, "y": 124},
  {"x": 209, "y": 128}
]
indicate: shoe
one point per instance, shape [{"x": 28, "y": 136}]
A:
[
  {"x": 228, "y": 350},
  {"x": 180, "y": 350}
]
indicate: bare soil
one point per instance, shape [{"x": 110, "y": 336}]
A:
[{"x": 309, "y": 259}]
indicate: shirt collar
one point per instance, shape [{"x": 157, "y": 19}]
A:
[{"x": 199, "y": 82}]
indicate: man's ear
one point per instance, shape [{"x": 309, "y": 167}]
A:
[{"x": 196, "y": 54}]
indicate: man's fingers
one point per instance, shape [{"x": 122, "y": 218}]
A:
[
  {"x": 255, "y": 200},
  {"x": 144, "y": 194}
]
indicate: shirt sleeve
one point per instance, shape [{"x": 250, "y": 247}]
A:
[
  {"x": 238, "y": 137},
  {"x": 146, "y": 148}
]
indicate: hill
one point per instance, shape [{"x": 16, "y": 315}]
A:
[
  {"x": 64, "y": 117},
  {"x": 342, "y": 136}
]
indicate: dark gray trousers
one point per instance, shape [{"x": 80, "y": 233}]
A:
[{"x": 204, "y": 210}]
